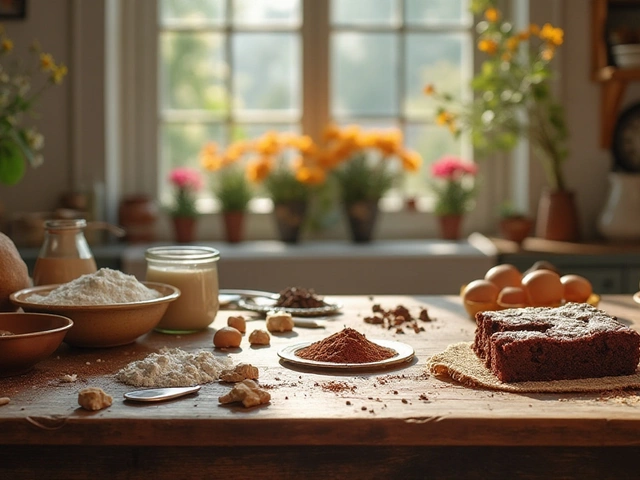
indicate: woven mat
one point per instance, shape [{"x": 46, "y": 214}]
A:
[{"x": 460, "y": 363}]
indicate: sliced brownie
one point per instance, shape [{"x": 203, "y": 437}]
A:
[{"x": 575, "y": 340}]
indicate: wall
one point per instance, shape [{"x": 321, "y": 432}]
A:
[{"x": 73, "y": 124}]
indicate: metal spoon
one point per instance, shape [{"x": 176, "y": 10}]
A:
[{"x": 159, "y": 394}]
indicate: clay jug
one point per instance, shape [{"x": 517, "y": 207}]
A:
[{"x": 558, "y": 216}]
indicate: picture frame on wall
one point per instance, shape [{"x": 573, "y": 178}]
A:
[{"x": 13, "y": 9}]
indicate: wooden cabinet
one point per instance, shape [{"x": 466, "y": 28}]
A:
[{"x": 609, "y": 19}]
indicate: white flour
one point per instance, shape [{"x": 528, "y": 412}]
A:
[
  {"x": 104, "y": 287},
  {"x": 173, "y": 367}
]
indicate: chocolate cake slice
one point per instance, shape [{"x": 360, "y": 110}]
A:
[{"x": 575, "y": 340}]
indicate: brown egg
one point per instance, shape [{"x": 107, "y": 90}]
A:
[
  {"x": 481, "y": 291},
  {"x": 543, "y": 288},
  {"x": 512, "y": 297},
  {"x": 505, "y": 275},
  {"x": 576, "y": 288}
]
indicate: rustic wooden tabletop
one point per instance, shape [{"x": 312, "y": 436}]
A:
[{"x": 399, "y": 421}]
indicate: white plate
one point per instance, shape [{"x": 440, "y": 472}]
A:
[
  {"x": 405, "y": 353},
  {"x": 266, "y": 305}
]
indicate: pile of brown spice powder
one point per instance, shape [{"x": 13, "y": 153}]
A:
[{"x": 346, "y": 346}]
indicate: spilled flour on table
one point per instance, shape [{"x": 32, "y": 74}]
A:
[{"x": 173, "y": 367}]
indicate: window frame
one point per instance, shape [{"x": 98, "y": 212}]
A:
[{"x": 133, "y": 115}]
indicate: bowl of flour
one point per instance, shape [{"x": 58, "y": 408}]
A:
[{"x": 108, "y": 307}]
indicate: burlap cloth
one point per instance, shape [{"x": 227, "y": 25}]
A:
[{"x": 460, "y": 363}]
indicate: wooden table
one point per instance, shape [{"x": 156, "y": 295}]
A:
[{"x": 397, "y": 423}]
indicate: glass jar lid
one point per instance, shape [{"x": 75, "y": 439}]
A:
[
  {"x": 65, "y": 224},
  {"x": 182, "y": 254}
]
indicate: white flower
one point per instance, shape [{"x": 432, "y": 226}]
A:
[
  {"x": 37, "y": 160},
  {"x": 35, "y": 139}
]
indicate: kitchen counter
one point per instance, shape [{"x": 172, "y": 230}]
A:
[{"x": 398, "y": 422}]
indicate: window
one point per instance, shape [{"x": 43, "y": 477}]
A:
[{"x": 231, "y": 69}]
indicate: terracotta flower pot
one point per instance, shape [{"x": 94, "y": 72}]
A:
[
  {"x": 558, "y": 216},
  {"x": 233, "y": 226},
  {"x": 450, "y": 226},
  {"x": 184, "y": 229},
  {"x": 516, "y": 229}
]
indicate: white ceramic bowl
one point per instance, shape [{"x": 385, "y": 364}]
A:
[{"x": 103, "y": 325}]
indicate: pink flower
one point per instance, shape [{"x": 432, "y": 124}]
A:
[
  {"x": 185, "y": 177},
  {"x": 449, "y": 167}
]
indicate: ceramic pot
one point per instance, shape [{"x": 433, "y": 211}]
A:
[
  {"x": 620, "y": 219},
  {"x": 233, "y": 226},
  {"x": 516, "y": 229},
  {"x": 184, "y": 229},
  {"x": 362, "y": 218},
  {"x": 450, "y": 226},
  {"x": 558, "y": 216},
  {"x": 290, "y": 217},
  {"x": 138, "y": 215}
]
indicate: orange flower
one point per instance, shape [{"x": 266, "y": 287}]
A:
[
  {"x": 411, "y": 160},
  {"x": 492, "y": 14},
  {"x": 429, "y": 89},
  {"x": 331, "y": 132},
  {"x": 389, "y": 142},
  {"x": 552, "y": 35},
  {"x": 444, "y": 118},
  {"x": 534, "y": 29},
  {"x": 488, "y": 46},
  {"x": 258, "y": 168},
  {"x": 512, "y": 43},
  {"x": 311, "y": 175},
  {"x": 210, "y": 159},
  {"x": 547, "y": 54},
  {"x": 268, "y": 144}
]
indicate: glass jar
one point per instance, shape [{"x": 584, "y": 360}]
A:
[
  {"x": 193, "y": 270},
  {"x": 65, "y": 254}
]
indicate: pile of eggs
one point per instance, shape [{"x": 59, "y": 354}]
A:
[{"x": 504, "y": 286}]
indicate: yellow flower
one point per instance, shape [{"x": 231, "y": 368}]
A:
[
  {"x": 551, "y": 34},
  {"x": 488, "y": 46},
  {"x": 389, "y": 142},
  {"x": 210, "y": 159},
  {"x": 58, "y": 74},
  {"x": 331, "y": 132},
  {"x": 46, "y": 62},
  {"x": 444, "y": 118},
  {"x": 429, "y": 89},
  {"x": 259, "y": 168},
  {"x": 492, "y": 14},
  {"x": 268, "y": 144},
  {"x": 411, "y": 160},
  {"x": 534, "y": 29},
  {"x": 7, "y": 45}
]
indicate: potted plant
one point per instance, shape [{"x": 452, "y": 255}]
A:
[
  {"x": 455, "y": 188},
  {"x": 186, "y": 182},
  {"x": 286, "y": 166},
  {"x": 20, "y": 144},
  {"x": 514, "y": 99},
  {"x": 365, "y": 165},
  {"x": 231, "y": 187},
  {"x": 515, "y": 225}
]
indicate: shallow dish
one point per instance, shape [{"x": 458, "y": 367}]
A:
[
  {"x": 405, "y": 353},
  {"x": 266, "y": 305},
  {"x": 103, "y": 325},
  {"x": 34, "y": 337}
]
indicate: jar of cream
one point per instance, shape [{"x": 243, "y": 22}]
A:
[{"x": 194, "y": 270}]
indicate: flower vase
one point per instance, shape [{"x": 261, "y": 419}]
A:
[
  {"x": 516, "y": 229},
  {"x": 290, "y": 217},
  {"x": 620, "y": 219},
  {"x": 558, "y": 216},
  {"x": 450, "y": 226},
  {"x": 184, "y": 229},
  {"x": 233, "y": 226},
  {"x": 362, "y": 218}
]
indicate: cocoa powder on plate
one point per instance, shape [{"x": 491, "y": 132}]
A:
[{"x": 346, "y": 346}]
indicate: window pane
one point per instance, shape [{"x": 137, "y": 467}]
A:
[
  {"x": 267, "y": 72},
  {"x": 432, "y": 142},
  {"x": 255, "y": 130},
  {"x": 434, "y": 58},
  {"x": 364, "y": 74},
  {"x": 192, "y": 71},
  {"x": 266, "y": 12},
  {"x": 192, "y": 12},
  {"x": 434, "y": 12},
  {"x": 180, "y": 144},
  {"x": 363, "y": 12}
]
